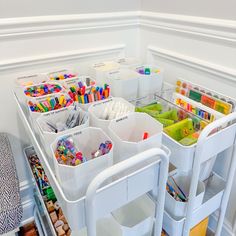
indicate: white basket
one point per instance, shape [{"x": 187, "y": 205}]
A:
[
  {"x": 149, "y": 84},
  {"x": 123, "y": 83},
  {"x": 60, "y": 115},
  {"x": 128, "y": 62},
  {"x": 177, "y": 208},
  {"x": 25, "y": 97},
  {"x": 75, "y": 179},
  {"x": 116, "y": 107},
  {"x": 74, "y": 81},
  {"x": 99, "y": 70},
  {"x": 136, "y": 218},
  {"x": 61, "y": 72},
  {"x": 23, "y": 81},
  {"x": 182, "y": 157},
  {"x": 35, "y": 115},
  {"x": 127, "y": 133}
]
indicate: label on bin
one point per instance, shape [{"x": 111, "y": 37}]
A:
[
  {"x": 123, "y": 118},
  {"x": 78, "y": 133},
  {"x": 99, "y": 65},
  {"x": 104, "y": 102}
]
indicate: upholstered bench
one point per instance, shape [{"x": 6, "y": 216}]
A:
[{"x": 10, "y": 203}]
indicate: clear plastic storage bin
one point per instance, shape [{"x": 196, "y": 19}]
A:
[
  {"x": 136, "y": 218},
  {"x": 149, "y": 83},
  {"x": 103, "y": 112},
  {"x": 75, "y": 179},
  {"x": 128, "y": 132},
  {"x": 177, "y": 208},
  {"x": 59, "y": 116}
]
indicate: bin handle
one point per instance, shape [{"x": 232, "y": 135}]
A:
[{"x": 122, "y": 166}]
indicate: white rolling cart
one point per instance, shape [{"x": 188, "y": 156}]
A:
[
  {"x": 144, "y": 173},
  {"x": 218, "y": 142},
  {"x": 197, "y": 161}
]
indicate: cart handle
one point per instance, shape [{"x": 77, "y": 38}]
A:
[{"x": 122, "y": 166}]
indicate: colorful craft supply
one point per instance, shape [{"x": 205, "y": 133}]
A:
[
  {"x": 103, "y": 149},
  {"x": 145, "y": 135},
  {"x": 42, "y": 90},
  {"x": 48, "y": 195},
  {"x": 84, "y": 94},
  {"x": 50, "y": 104},
  {"x": 62, "y": 76},
  {"x": 147, "y": 71},
  {"x": 223, "y": 105},
  {"x": 67, "y": 154}
]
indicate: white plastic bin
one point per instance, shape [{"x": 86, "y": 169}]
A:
[
  {"x": 34, "y": 115},
  {"x": 30, "y": 79},
  {"x": 99, "y": 70},
  {"x": 178, "y": 208},
  {"x": 68, "y": 83},
  {"x": 54, "y": 117},
  {"x": 59, "y": 75},
  {"x": 25, "y": 97},
  {"x": 182, "y": 157},
  {"x": 74, "y": 180},
  {"x": 128, "y": 62},
  {"x": 136, "y": 218},
  {"x": 123, "y": 83},
  {"x": 149, "y": 84},
  {"x": 127, "y": 133},
  {"x": 103, "y": 112}
]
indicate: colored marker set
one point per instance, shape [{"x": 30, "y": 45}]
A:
[
  {"x": 175, "y": 191},
  {"x": 195, "y": 110},
  {"x": 85, "y": 96},
  {"x": 42, "y": 90},
  {"x": 50, "y": 103},
  {"x": 206, "y": 98}
]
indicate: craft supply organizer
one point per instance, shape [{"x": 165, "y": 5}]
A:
[{"x": 184, "y": 123}]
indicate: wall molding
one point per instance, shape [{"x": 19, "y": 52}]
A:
[
  {"x": 214, "y": 29},
  {"x": 61, "y": 56},
  {"x": 205, "y": 66},
  {"x": 33, "y": 26}
]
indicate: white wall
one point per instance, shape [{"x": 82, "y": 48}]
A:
[
  {"x": 210, "y": 8},
  {"x": 24, "y": 8}
]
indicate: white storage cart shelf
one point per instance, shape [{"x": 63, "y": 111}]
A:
[
  {"x": 198, "y": 160},
  {"x": 150, "y": 177},
  {"x": 29, "y": 151}
]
